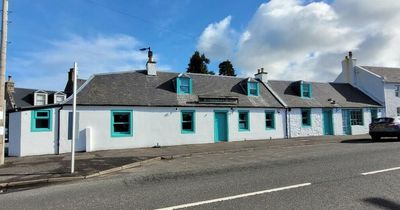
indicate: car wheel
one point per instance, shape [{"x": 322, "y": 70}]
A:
[{"x": 375, "y": 138}]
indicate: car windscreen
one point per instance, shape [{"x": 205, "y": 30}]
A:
[{"x": 384, "y": 120}]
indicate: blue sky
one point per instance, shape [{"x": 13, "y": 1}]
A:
[{"x": 47, "y": 36}]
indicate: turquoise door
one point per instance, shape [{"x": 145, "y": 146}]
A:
[
  {"x": 346, "y": 122},
  {"x": 328, "y": 122},
  {"x": 374, "y": 114},
  {"x": 220, "y": 126}
]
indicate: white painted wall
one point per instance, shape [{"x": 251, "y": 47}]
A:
[
  {"x": 369, "y": 83},
  {"x": 152, "y": 125},
  {"x": 392, "y": 102},
  {"x": 295, "y": 123},
  {"x": 24, "y": 142}
]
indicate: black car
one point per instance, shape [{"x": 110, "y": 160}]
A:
[{"x": 385, "y": 127}]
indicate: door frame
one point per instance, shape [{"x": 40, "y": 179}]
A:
[
  {"x": 227, "y": 124},
  {"x": 332, "y": 122}
]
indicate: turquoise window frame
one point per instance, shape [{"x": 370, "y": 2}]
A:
[
  {"x": 304, "y": 86},
  {"x": 34, "y": 117},
  {"x": 122, "y": 134},
  {"x": 193, "y": 130},
  {"x": 250, "y": 88},
  {"x": 272, "y": 120},
  {"x": 308, "y": 124},
  {"x": 178, "y": 85},
  {"x": 247, "y": 120}
]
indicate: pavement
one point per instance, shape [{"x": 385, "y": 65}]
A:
[
  {"x": 346, "y": 174},
  {"x": 56, "y": 168}
]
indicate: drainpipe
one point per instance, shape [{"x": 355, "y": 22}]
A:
[
  {"x": 288, "y": 131},
  {"x": 58, "y": 130}
]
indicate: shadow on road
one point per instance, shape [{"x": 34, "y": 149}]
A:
[
  {"x": 367, "y": 141},
  {"x": 382, "y": 203}
]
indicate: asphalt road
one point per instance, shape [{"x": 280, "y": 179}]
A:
[{"x": 323, "y": 176}]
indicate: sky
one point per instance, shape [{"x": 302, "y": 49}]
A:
[{"x": 290, "y": 39}]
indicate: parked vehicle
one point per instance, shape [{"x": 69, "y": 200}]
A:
[{"x": 385, "y": 127}]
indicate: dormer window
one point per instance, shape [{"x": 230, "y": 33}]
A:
[
  {"x": 183, "y": 85},
  {"x": 40, "y": 98},
  {"x": 252, "y": 89},
  {"x": 305, "y": 90},
  {"x": 59, "y": 97}
]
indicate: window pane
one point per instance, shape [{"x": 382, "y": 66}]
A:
[
  {"x": 253, "y": 88},
  {"x": 356, "y": 117},
  {"x": 253, "y": 92},
  {"x": 121, "y": 128},
  {"x": 269, "y": 121},
  {"x": 184, "y": 81},
  {"x": 121, "y": 117},
  {"x": 40, "y": 97},
  {"x": 42, "y": 123},
  {"x": 243, "y": 125},
  {"x": 59, "y": 98},
  {"x": 187, "y": 126},
  {"x": 184, "y": 89},
  {"x": 40, "y": 102},
  {"x": 187, "y": 116},
  {"x": 187, "y": 121},
  {"x": 305, "y": 117},
  {"x": 243, "y": 121},
  {"x": 42, "y": 114}
]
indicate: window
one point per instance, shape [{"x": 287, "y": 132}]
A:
[
  {"x": 397, "y": 90},
  {"x": 40, "y": 99},
  {"x": 121, "y": 123},
  {"x": 184, "y": 85},
  {"x": 252, "y": 88},
  {"x": 41, "y": 120},
  {"x": 356, "y": 117},
  {"x": 306, "y": 117},
  {"x": 59, "y": 99},
  {"x": 269, "y": 119},
  {"x": 398, "y": 111},
  {"x": 305, "y": 90},
  {"x": 374, "y": 114},
  {"x": 187, "y": 121},
  {"x": 244, "y": 121}
]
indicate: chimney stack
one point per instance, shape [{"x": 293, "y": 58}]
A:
[
  {"x": 348, "y": 65},
  {"x": 262, "y": 76},
  {"x": 10, "y": 85},
  {"x": 151, "y": 64}
]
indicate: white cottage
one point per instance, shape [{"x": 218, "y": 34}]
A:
[
  {"x": 315, "y": 108},
  {"x": 380, "y": 83},
  {"x": 136, "y": 109}
]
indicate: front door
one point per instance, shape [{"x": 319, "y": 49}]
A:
[
  {"x": 220, "y": 126},
  {"x": 346, "y": 122},
  {"x": 328, "y": 122}
]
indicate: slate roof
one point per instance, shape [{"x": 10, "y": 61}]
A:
[
  {"x": 136, "y": 88},
  {"x": 23, "y": 97},
  {"x": 344, "y": 95},
  {"x": 388, "y": 74}
]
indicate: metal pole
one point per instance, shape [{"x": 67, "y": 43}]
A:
[
  {"x": 3, "y": 53},
  {"x": 74, "y": 120}
]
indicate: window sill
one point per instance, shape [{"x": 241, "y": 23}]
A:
[
  {"x": 187, "y": 132},
  {"x": 118, "y": 135},
  {"x": 269, "y": 129},
  {"x": 41, "y": 130},
  {"x": 244, "y": 130}
]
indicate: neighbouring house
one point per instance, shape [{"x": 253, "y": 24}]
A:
[
  {"x": 28, "y": 98},
  {"x": 315, "y": 108},
  {"x": 380, "y": 83}
]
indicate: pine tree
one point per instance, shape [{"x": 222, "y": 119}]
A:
[
  {"x": 198, "y": 64},
  {"x": 226, "y": 68}
]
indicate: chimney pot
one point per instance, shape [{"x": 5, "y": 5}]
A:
[
  {"x": 10, "y": 85},
  {"x": 262, "y": 70},
  {"x": 350, "y": 54}
]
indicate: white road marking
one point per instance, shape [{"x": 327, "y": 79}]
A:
[
  {"x": 234, "y": 197},
  {"x": 380, "y": 171}
]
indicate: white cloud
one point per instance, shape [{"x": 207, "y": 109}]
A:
[
  {"x": 296, "y": 40},
  {"x": 48, "y": 69},
  {"x": 217, "y": 40}
]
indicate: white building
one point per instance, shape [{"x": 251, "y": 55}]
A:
[
  {"x": 380, "y": 83},
  {"x": 148, "y": 108}
]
